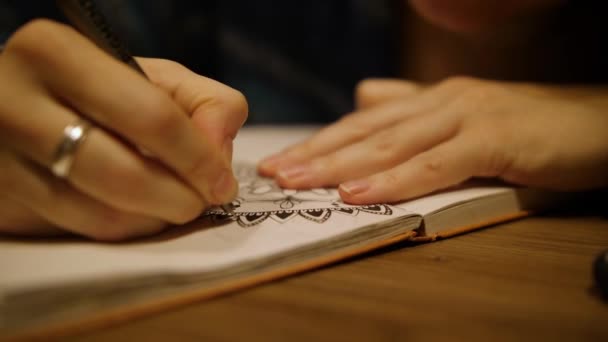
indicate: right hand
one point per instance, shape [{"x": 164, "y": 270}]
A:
[{"x": 51, "y": 76}]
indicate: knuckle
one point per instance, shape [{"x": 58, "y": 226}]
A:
[
  {"x": 386, "y": 142},
  {"x": 461, "y": 85},
  {"x": 350, "y": 119},
  {"x": 431, "y": 166},
  {"x": 356, "y": 124},
  {"x": 391, "y": 179},
  {"x": 39, "y": 39},
  {"x": 171, "y": 64},
  {"x": 157, "y": 67},
  {"x": 161, "y": 121},
  {"x": 477, "y": 100},
  {"x": 230, "y": 101},
  {"x": 482, "y": 93},
  {"x": 364, "y": 88},
  {"x": 386, "y": 146},
  {"x": 460, "y": 82}
]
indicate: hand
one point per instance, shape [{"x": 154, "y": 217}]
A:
[
  {"x": 51, "y": 76},
  {"x": 406, "y": 140}
]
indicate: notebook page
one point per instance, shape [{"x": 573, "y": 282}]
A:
[
  {"x": 268, "y": 220},
  {"x": 436, "y": 202}
]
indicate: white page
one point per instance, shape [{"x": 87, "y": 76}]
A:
[
  {"x": 290, "y": 219},
  {"x": 256, "y": 142},
  {"x": 298, "y": 218},
  {"x": 430, "y": 204}
]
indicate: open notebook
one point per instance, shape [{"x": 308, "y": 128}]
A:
[{"x": 71, "y": 284}]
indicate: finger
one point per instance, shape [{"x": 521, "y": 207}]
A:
[
  {"x": 218, "y": 110},
  {"x": 355, "y": 127},
  {"x": 20, "y": 220},
  {"x": 348, "y": 130},
  {"x": 373, "y": 91},
  {"x": 450, "y": 163},
  {"x": 121, "y": 100},
  {"x": 381, "y": 151},
  {"x": 104, "y": 167},
  {"x": 62, "y": 206}
]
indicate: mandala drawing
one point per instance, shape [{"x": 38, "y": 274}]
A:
[{"x": 261, "y": 198}]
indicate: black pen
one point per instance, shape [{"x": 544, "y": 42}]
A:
[{"x": 86, "y": 17}]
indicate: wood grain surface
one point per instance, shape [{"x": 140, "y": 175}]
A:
[{"x": 525, "y": 280}]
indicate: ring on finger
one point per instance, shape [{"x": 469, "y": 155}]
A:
[{"x": 73, "y": 136}]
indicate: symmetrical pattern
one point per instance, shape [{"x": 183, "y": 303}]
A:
[{"x": 260, "y": 199}]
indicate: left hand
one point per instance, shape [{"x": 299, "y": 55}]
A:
[{"x": 406, "y": 140}]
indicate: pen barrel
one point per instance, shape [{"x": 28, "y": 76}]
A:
[{"x": 86, "y": 17}]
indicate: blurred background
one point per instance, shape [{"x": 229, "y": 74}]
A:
[
  {"x": 294, "y": 61},
  {"x": 299, "y": 62}
]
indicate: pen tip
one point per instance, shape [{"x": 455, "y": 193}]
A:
[{"x": 227, "y": 208}]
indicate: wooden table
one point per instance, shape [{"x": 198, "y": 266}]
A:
[{"x": 525, "y": 280}]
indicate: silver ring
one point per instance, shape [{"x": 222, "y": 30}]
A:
[{"x": 73, "y": 135}]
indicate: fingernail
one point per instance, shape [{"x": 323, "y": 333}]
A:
[
  {"x": 296, "y": 172},
  {"x": 355, "y": 187},
  {"x": 224, "y": 187}
]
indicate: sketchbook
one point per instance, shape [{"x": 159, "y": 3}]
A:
[{"x": 60, "y": 285}]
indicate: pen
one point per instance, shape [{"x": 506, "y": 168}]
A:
[
  {"x": 90, "y": 21},
  {"x": 85, "y": 16}
]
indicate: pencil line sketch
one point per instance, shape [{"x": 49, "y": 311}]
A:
[{"x": 261, "y": 198}]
